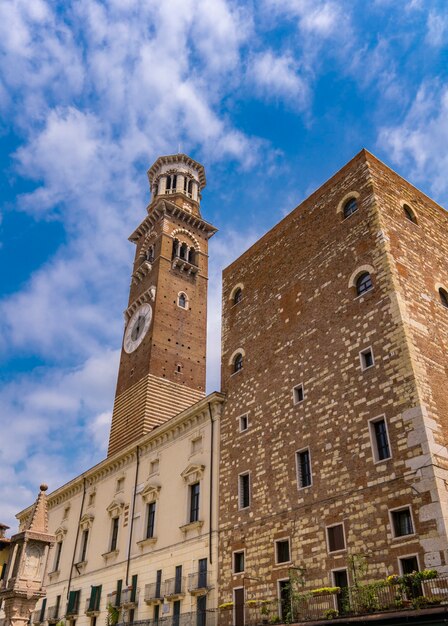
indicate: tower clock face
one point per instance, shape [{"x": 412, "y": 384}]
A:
[{"x": 137, "y": 328}]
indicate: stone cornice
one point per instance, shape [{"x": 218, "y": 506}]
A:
[
  {"x": 173, "y": 428},
  {"x": 164, "y": 207}
]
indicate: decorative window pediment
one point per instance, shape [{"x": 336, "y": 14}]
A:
[
  {"x": 86, "y": 521},
  {"x": 60, "y": 532},
  {"x": 151, "y": 492},
  {"x": 115, "y": 507},
  {"x": 193, "y": 473}
]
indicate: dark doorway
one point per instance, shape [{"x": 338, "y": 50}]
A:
[
  {"x": 285, "y": 600},
  {"x": 201, "y": 608},
  {"x": 341, "y": 580},
  {"x": 238, "y": 595}
]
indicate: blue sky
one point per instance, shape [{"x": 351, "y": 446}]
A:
[{"x": 272, "y": 96}]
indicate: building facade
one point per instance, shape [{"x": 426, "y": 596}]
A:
[
  {"x": 334, "y": 366},
  {"x": 325, "y": 449}
]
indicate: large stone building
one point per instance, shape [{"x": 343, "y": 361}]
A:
[
  {"x": 334, "y": 365},
  {"x": 327, "y": 443}
]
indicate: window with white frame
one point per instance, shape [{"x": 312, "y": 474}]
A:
[
  {"x": 282, "y": 551},
  {"x": 243, "y": 421},
  {"x": 402, "y": 524},
  {"x": 380, "y": 439},
  {"x": 298, "y": 394},
  {"x": 244, "y": 490},
  {"x": 238, "y": 562},
  {"x": 336, "y": 537},
  {"x": 366, "y": 358}
]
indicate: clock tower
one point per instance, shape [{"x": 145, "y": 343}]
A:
[{"x": 162, "y": 364}]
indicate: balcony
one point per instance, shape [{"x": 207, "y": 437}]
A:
[
  {"x": 129, "y": 598},
  {"x": 184, "y": 265},
  {"x": 36, "y": 617},
  {"x": 153, "y": 593},
  {"x": 175, "y": 588},
  {"x": 112, "y": 599},
  {"x": 198, "y": 584},
  {"x": 91, "y": 610},
  {"x": 53, "y": 614}
]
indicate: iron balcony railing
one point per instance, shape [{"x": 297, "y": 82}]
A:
[
  {"x": 112, "y": 599},
  {"x": 129, "y": 597},
  {"x": 198, "y": 582},
  {"x": 200, "y": 618},
  {"x": 53, "y": 613},
  {"x": 154, "y": 592},
  {"x": 174, "y": 587}
]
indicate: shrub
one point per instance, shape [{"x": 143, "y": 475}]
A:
[{"x": 331, "y": 613}]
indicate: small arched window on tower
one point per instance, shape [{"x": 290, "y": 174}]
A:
[
  {"x": 184, "y": 252},
  {"x": 238, "y": 296},
  {"x": 443, "y": 295},
  {"x": 190, "y": 188},
  {"x": 409, "y": 213},
  {"x": 192, "y": 256},
  {"x": 238, "y": 363},
  {"x": 364, "y": 283},
  {"x": 182, "y": 300},
  {"x": 176, "y": 245},
  {"x": 350, "y": 207},
  {"x": 171, "y": 183}
]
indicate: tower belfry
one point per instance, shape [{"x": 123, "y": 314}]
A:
[{"x": 162, "y": 364}]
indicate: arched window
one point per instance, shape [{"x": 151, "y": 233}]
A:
[
  {"x": 182, "y": 300},
  {"x": 238, "y": 362},
  {"x": 190, "y": 188},
  {"x": 350, "y": 207},
  {"x": 364, "y": 283},
  {"x": 184, "y": 252},
  {"x": 409, "y": 213},
  {"x": 237, "y": 296},
  {"x": 443, "y": 297},
  {"x": 171, "y": 182},
  {"x": 175, "y": 248},
  {"x": 192, "y": 256}
]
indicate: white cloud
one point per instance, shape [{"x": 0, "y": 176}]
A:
[
  {"x": 437, "y": 25},
  {"x": 278, "y": 77},
  {"x": 419, "y": 142},
  {"x": 316, "y": 17}
]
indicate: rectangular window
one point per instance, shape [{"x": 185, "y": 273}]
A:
[
  {"x": 73, "y": 603},
  {"x": 336, "y": 539},
  {"x": 176, "y": 613},
  {"x": 298, "y": 394},
  {"x": 380, "y": 439},
  {"x": 84, "y": 540},
  {"x": 366, "y": 357},
  {"x": 303, "y": 468},
  {"x": 156, "y": 613},
  {"x": 238, "y": 562},
  {"x": 158, "y": 583},
  {"x": 151, "y": 513},
  {"x": 409, "y": 564},
  {"x": 282, "y": 554},
  {"x": 202, "y": 573},
  {"x": 95, "y": 598},
  {"x": 244, "y": 423},
  {"x": 402, "y": 522},
  {"x": 42, "y": 610},
  {"x": 134, "y": 588},
  {"x": 57, "y": 556},
  {"x": 114, "y": 535},
  {"x": 244, "y": 490},
  {"x": 118, "y": 593},
  {"x": 178, "y": 579},
  {"x": 194, "y": 502}
]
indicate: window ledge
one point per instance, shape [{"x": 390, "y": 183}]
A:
[
  {"x": 192, "y": 526},
  {"x": 112, "y": 554},
  {"x": 54, "y": 573},
  {"x": 149, "y": 541},
  {"x": 80, "y": 566}
]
